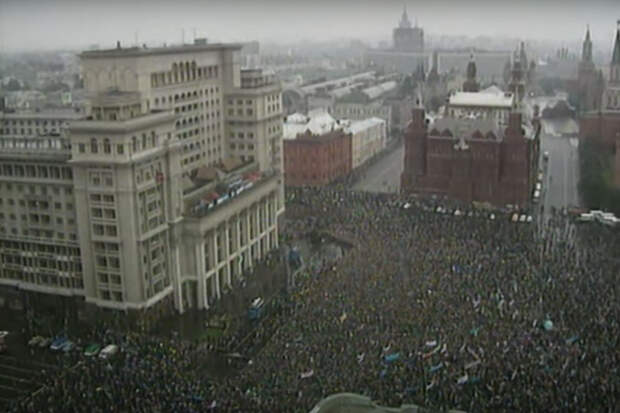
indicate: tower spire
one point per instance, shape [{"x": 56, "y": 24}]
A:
[
  {"x": 404, "y": 19},
  {"x": 616, "y": 55},
  {"x": 586, "y": 53}
]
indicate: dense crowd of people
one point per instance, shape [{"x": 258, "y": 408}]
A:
[{"x": 445, "y": 311}]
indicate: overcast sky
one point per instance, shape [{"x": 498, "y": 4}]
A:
[{"x": 45, "y": 24}]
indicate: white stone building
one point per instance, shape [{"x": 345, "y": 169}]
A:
[{"x": 368, "y": 138}]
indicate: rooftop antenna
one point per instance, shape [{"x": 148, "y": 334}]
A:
[
  {"x": 182, "y": 36},
  {"x": 135, "y": 34},
  {"x": 194, "y": 34}
]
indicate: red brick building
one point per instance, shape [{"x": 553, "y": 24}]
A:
[
  {"x": 316, "y": 160},
  {"x": 471, "y": 159},
  {"x": 604, "y": 125}
]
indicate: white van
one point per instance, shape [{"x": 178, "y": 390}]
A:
[{"x": 108, "y": 351}]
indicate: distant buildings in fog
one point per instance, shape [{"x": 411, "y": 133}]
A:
[{"x": 408, "y": 52}]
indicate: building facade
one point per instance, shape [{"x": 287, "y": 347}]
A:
[
  {"x": 368, "y": 138},
  {"x": 126, "y": 213},
  {"x": 603, "y": 125},
  {"x": 254, "y": 119},
  {"x": 317, "y": 160},
  {"x": 491, "y": 103},
  {"x": 470, "y": 159}
]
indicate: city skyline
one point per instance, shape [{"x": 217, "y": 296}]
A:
[{"x": 35, "y": 25}]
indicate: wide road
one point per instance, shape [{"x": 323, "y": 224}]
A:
[
  {"x": 384, "y": 176},
  {"x": 562, "y": 170}
]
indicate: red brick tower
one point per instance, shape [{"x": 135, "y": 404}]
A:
[{"x": 415, "y": 148}]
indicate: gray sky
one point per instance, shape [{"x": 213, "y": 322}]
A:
[{"x": 45, "y": 24}]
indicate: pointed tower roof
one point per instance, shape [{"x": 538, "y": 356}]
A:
[
  {"x": 586, "y": 54},
  {"x": 471, "y": 67},
  {"x": 616, "y": 55},
  {"x": 405, "y": 23}
]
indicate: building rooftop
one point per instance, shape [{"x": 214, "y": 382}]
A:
[
  {"x": 340, "y": 82},
  {"x": 361, "y": 125},
  {"x": 154, "y": 117},
  {"x": 146, "y": 51},
  {"x": 376, "y": 91},
  {"x": 318, "y": 122},
  {"x": 343, "y": 91},
  {"x": 483, "y": 98}
]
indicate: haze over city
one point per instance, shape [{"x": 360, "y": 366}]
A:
[
  {"x": 40, "y": 24},
  {"x": 324, "y": 206}
]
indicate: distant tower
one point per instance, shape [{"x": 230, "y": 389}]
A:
[
  {"x": 523, "y": 57},
  {"x": 433, "y": 76},
  {"x": 507, "y": 72},
  {"x": 415, "y": 148},
  {"x": 611, "y": 99},
  {"x": 614, "y": 75},
  {"x": 407, "y": 38},
  {"x": 404, "y": 23},
  {"x": 471, "y": 85},
  {"x": 517, "y": 85},
  {"x": 589, "y": 88},
  {"x": 586, "y": 51}
]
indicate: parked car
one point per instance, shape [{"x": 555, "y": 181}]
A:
[
  {"x": 35, "y": 341},
  {"x": 3, "y": 336},
  {"x": 92, "y": 350},
  {"x": 58, "y": 343},
  {"x": 108, "y": 351}
]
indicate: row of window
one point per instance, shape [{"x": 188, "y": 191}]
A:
[
  {"x": 43, "y": 279},
  {"x": 36, "y": 171},
  {"x": 36, "y": 219},
  {"x": 40, "y": 205},
  {"x": 37, "y": 233},
  {"x": 36, "y": 122},
  {"x": 101, "y": 198},
  {"x": 101, "y": 179},
  {"x": 183, "y": 72},
  {"x": 36, "y": 248},
  {"x": 102, "y": 230},
  {"x": 28, "y": 131},
  {"x": 43, "y": 263},
  {"x": 105, "y": 146},
  {"x": 213, "y": 91},
  {"x": 241, "y": 146}
]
